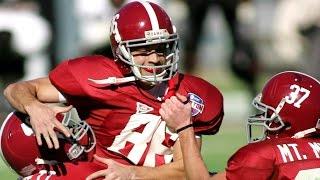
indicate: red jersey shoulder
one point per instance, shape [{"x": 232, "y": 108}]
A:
[
  {"x": 96, "y": 66},
  {"x": 253, "y": 160},
  {"x": 282, "y": 158},
  {"x": 251, "y": 154},
  {"x": 71, "y": 76},
  {"x": 206, "y": 101},
  {"x": 291, "y": 150},
  {"x": 296, "y": 158}
]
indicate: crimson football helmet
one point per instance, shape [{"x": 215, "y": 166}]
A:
[
  {"x": 139, "y": 24},
  {"x": 20, "y": 151},
  {"x": 289, "y": 105}
]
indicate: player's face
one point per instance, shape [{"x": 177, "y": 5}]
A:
[{"x": 152, "y": 55}]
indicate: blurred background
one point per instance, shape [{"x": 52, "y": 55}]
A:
[{"x": 234, "y": 44}]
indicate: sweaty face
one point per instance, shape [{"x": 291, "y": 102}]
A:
[{"x": 149, "y": 57}]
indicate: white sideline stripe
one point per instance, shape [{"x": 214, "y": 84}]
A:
[{"x": 152, "y": 15}]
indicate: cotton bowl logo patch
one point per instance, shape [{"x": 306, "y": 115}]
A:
[{"x": 197, "y": 105}]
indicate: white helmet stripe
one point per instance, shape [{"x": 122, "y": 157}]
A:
[{"x": 152, "y": 15}]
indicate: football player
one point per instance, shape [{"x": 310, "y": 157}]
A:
[
  {"x": 120, "y": 99},
  {"x": 289, "y": 146}
]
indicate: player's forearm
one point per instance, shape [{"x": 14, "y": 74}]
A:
[
  {"x": 194, "y": 165},
  {"x": 172, "y": 170},
  {"x": 21, "y": 95}
]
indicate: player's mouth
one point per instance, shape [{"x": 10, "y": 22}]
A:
[{"x": 153, "y": 70}]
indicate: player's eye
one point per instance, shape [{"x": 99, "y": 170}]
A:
[
  {"x": 160, "y": 49},
  {"x": 139, "y": 53},
  {"x": 163, "y": 49}
]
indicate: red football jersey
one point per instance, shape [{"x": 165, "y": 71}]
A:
[
  {"x": 126, "y": 118},
  {"x": 280, "y": 158}
]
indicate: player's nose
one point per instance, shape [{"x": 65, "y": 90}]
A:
[{"x": 154, "y": 58}]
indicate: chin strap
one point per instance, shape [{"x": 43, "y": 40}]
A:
[
  {"x": 99, "y": 83},
  {"x": 305, "y": 133},
  {"x": 308, "y": 132}
]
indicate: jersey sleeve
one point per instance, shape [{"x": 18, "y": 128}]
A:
[
  {"x": 250, "y": 163},
  {"x": 207, "y": 106},
  {"x": 63, "y": 79},
  {"x": 71, "y": 78}
]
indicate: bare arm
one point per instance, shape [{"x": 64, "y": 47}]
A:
[
  {"x": 24, "y": 94},
  {"x": 174, "y": 170},
  {"x": 28, "y": 97},
  {"x": 195, "y": 167}
]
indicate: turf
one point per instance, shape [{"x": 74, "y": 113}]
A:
[
  {"x": 5, "y": 172},
  {"x": 217, "y": 149}
]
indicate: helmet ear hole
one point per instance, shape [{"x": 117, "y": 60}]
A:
[{"x": 287, "y": 125}]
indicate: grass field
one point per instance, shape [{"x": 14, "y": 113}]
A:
[
  {"x": 5, "y": 172},
  {"x": 216, "y": 149}
]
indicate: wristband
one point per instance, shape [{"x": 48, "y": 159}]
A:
[{"x": 184, "y": 127}]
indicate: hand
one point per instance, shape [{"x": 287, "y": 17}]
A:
[
  {"x": 43, "y": 121},
  {"x": 176, "y": 113},
  {"x": 114, "y": 170}
]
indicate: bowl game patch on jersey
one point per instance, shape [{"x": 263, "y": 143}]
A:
[{"x": 197, "y": 104}]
